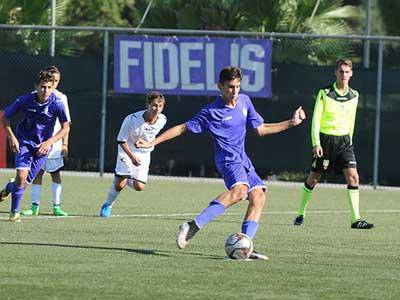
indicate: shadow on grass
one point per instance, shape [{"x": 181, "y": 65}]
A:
[
  {"x": 137, "y": 251},
  {"x": 130, "y": 250}
]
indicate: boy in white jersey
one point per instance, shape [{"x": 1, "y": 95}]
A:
[
  {"x": 54, "y": 162},
  {"x": 132, "y": 165}
]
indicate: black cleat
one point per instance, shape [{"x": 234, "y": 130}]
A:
[
  {"x": 299, "y": 221},
  {"x": 361, "y": 224}
]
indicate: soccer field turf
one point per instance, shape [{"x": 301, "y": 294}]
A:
[{"x": 133, "y": 254}]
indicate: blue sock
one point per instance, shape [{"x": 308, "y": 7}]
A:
[
  {"x": 213, "y": 210},
  {"x": 16, "y": 198},
  {"x": 250, "y": 228},
  {"x": 10, "y": 186}
]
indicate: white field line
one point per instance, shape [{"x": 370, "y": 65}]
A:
[
  {"x": 384, "y": 211},
  {"x": 216, "y": 180}
]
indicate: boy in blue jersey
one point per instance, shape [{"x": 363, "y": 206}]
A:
[
  {"x": 33, "y": 139},
  {"x": 226, "y": 120},
  {"x": 54, "y": 162}
]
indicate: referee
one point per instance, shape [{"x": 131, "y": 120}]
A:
[{"x": 331, "y": 134}]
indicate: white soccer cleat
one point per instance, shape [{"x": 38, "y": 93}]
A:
[
  {"x": 258, "y": 255},
  {"x": 186, "y": 231},
  {"x": 181, "y": 235}
]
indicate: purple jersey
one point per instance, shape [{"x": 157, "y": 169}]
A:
[
  {"x": 227, "y": 126},
  {"x": 38, "y": 124}
]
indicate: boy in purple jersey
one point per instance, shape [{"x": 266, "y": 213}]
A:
[
  {"x": 33, "y": 139},
  {"x": 54, "y": 162},
  {"x": 226, "y": 120}
]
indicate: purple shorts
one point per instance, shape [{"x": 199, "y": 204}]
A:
[
  {"x": 27, "y": 159},
  {"x": 240, "y": 173}
]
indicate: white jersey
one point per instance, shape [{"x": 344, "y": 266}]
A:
[
  {"x": 57, "y": 146},
  {"x": 135, "y": 127}
]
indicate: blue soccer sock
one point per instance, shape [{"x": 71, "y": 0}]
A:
[
  {"x": 213, "y": 210},
  {"x": 16, "y": 198},
  {"x": 250, "y": 228},
  {"x": 10, "y": 186}
]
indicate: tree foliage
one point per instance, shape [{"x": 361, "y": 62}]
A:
[{"x": 307, "y": 16}]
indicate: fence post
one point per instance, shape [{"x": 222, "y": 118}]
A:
[
  {"x": 103, "y": 104},
  {"x": 53, "y": 32},
  {"x": 367, "y": 32},
  {"x": 378, "y": 113}
]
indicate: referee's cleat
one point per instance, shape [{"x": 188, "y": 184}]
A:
[
  {"x": 299, "y": 221},
  {"x": 258, "y": 255},
  {"x": 15, "y": 217},
  {"x": 4, "y": 193},
  {"x": 186, "y": 231},
  {"x": 361, "y": 224}
]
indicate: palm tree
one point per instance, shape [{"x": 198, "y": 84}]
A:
[
  {"x": 323, "y": 17},
  {"x": 29, "y": 13}
]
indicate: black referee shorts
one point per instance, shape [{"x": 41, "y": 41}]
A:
[{"x": 338, "y": 154}]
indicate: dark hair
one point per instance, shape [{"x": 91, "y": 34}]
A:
[
  {"x": 44, "y": 76},
  {"x": 154, "y": 95},
  {"x": 53, "y": 69},
  {"x": 230, "y": 73},
  {"x": 344, "y": 61}
]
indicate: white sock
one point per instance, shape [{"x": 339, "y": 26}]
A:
[
  {"x": 56, "y": 188},
  {"x": 36, "y": 190},
  {"x": 112, "y": 195}
]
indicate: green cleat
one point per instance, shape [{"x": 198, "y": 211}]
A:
[
  {"x": 58, "y": 212},
  {"x": 34, "y": 211}
]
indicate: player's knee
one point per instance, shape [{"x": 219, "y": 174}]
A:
[
  {"x": 258, "y": 199},
  {"x": 354, "y": 179},
  {"x": 136, "y": 185},
  {"x": 313, "y": 179},
  {"x": 119, "y": 185},
  {"x": 139, "y": 186},
  {"x": 239, "y": 193},
  {"x": 38, "y": 178},
  {"x": 56, "y": 177},
  {"x": 20, "y": 182}
]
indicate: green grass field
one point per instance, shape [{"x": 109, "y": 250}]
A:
[{"x": 133, "y": 254}]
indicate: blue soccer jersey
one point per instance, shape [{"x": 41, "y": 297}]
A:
[
  {"x": 227, "y": 126},
  {"x": 39, "y": 118}
]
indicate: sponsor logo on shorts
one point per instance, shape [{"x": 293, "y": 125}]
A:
[{"x": 325, "y": 164}]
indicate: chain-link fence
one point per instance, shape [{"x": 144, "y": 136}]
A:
[{"x": 301, "y": 64}]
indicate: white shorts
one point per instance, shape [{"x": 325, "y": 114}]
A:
[
  {"x": 126, "y": 168},
  {"x": 53, "y": 164}
]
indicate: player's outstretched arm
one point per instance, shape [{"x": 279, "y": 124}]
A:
[
  {"x": 271, "y": 128},
  {"x": 167, "y": 135}
]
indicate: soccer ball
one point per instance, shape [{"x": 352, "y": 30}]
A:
[{"x": 238, "y": 246}]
